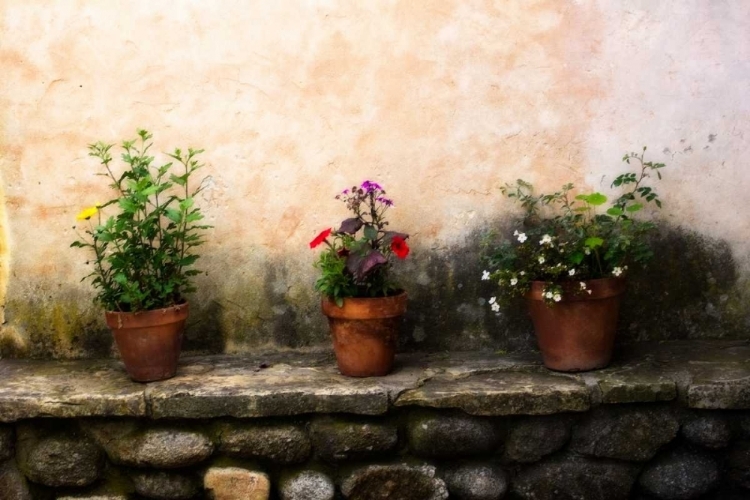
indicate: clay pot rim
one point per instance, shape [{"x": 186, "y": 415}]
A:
[
  {"x": 362, "y": 307},
  {"x": 601, "y": 288},
  {"x": 155, "y": 317}
]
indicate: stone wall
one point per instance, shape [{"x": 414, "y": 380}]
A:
[{"x": 636, "y": 451}]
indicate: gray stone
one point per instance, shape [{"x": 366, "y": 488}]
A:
[
  {"x": 624, "y": 432},
  {"x": 67, "y": 389},
  {"x": 738, "y": 462},
  {"x": 720, "y": 386},
  {"x": 633, "y": 383},
  {"x": 59, "y": 458},
  {"x": 166, "y": 485},
  {"x": 508, "y": 393},
  {"x": 534, "y": 437},
  {"x": 450, "y": 434},
  {"x": 161, "y": 447},
  {"x": 306, "y": 485},
  {"x": 7, "y": 438},
  {"x": 575, "y": 478},
  {"x": 394, "y": 482},
  {"x": 280, "y": 443},
  {"x": 476, "y": 482},
  {"x": 680, "y": 475},
  {"x": 344, "y": 438},
  {"x": 708, "y": 429},
  {"x": 13, "y": 485}
]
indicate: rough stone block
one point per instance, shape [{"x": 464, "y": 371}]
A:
[
  {"x": 13, "y": 485},
  {"x": 531, "y": 438},
  {"x": 680, "y": 474},
  {"x": 236, "y": 483},
  {"x": 166, "y": 485},
  {"x": 573, "y": 477},
  {"x": 280, "y": 443},
  {"x": 58, "y": 458},
  {"x": 160, "y": 447},
  {"x": 344, "y": 438},
  {"x": 451, "y": 434},
  {"x": 625, "y": 432},
  {"x": 306, "y": 485},
  {"x": 710, "y": 430},
  {"x": 476, "y": 481},
  {"x": 738, "y": 462},
  {"x": 394, "y": 482},
  {"x": 7, "y": 445}
]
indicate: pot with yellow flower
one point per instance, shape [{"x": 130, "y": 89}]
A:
[
  {"x": 569, "y": 258},
  {"x": 363, "y": 305},
  {"x": 143, "y": 255}
]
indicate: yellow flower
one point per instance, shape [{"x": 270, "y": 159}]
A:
[{"x": 87, "y": 213}]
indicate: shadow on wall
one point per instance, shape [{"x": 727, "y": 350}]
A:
[{"x": 691, "y": 290}]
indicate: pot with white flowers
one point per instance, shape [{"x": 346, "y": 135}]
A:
[
  {"x": 362, "y": 302},
  {"x": 569, "y": 258},
  {"x": 144, "y": 253}
]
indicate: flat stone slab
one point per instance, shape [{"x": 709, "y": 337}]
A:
[
  {"x": 505, "y": 393},
  {"x": 701, "y": 374}
]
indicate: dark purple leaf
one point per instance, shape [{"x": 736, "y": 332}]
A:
[
  {"x": 362, "y": 265},
  {"x": 350, "y": 226}
]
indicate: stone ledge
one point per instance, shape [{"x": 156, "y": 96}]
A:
[{"x": 700, "y": 374}]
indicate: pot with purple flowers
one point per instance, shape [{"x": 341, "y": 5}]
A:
[{"x": 362, "y": 302}]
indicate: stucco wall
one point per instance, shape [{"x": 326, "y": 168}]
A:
[{"x": 440, "y": 101}]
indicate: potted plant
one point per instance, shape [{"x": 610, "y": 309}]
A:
[
  {"x": 143, "y": 255},
  {"x": 363, "y": 304},
  {"x": 569, "y": 257}
]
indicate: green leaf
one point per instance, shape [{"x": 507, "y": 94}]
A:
[
  {"x": 173, "y": 215},
  {"x": 186, "y": 203},
  {"x": 615, "y": 211},
  {"x": 634, "y": 207},
  {"x": 596, "y": 199},
  {"x": 576, "y": 257},
  {"x": 593, "y": 242},
  {"x": 371, "y": 233}
]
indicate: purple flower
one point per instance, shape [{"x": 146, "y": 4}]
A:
[
  {"x": 345, "y": 191},
  {"x": 385, "y": 201},
  {"x": 371, "y": 186}
]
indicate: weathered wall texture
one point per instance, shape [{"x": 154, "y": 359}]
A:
[{"x": 440, "y": 101}]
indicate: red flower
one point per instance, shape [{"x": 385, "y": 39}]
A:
[
  {"x": 399, "y": 247},
  {"x": 321, "y": 237}
]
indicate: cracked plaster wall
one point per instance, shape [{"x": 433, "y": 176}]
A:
[{"x": 440, "y": 101}]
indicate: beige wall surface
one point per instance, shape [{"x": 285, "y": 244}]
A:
[{"x": 440, "y": 101}]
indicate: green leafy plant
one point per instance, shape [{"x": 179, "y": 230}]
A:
[
  {"x": 143, "y": 255},
  {"x": 358, "y": 255},
  {"x": 564, "y": 238}
]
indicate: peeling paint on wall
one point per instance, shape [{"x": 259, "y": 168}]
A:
[{"x": 440, "y": 101}]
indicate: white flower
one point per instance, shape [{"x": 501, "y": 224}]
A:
[
  {"x": 572, "y": 272},
  {"x": 617, "y": 271},
  {"x": 541, "y": 260},
  {"x": 495, "y": 307},
  {"x": 588, "y": 291},
  {"x": 522, "y": 273},
  {"x": 548, "y": 295},
  {"x": 485, "y": 275},
  {"x": 583, "y": 285},
  {"x": 587, "y": 251},
  {"x": 557, "y": 297},
  {"x": 522, "y": 237},
  {"x": 545, "y": 239},
  {"x": 492, "y": 300},
  {"x": 515, "y": 233},
  {"x": 513, "y": 281}
]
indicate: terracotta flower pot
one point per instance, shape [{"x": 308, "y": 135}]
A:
[
  {"x": 365, "y": 333},
  {"x": 150, "y": 341},
  {"x": 577, "y": 333}
]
